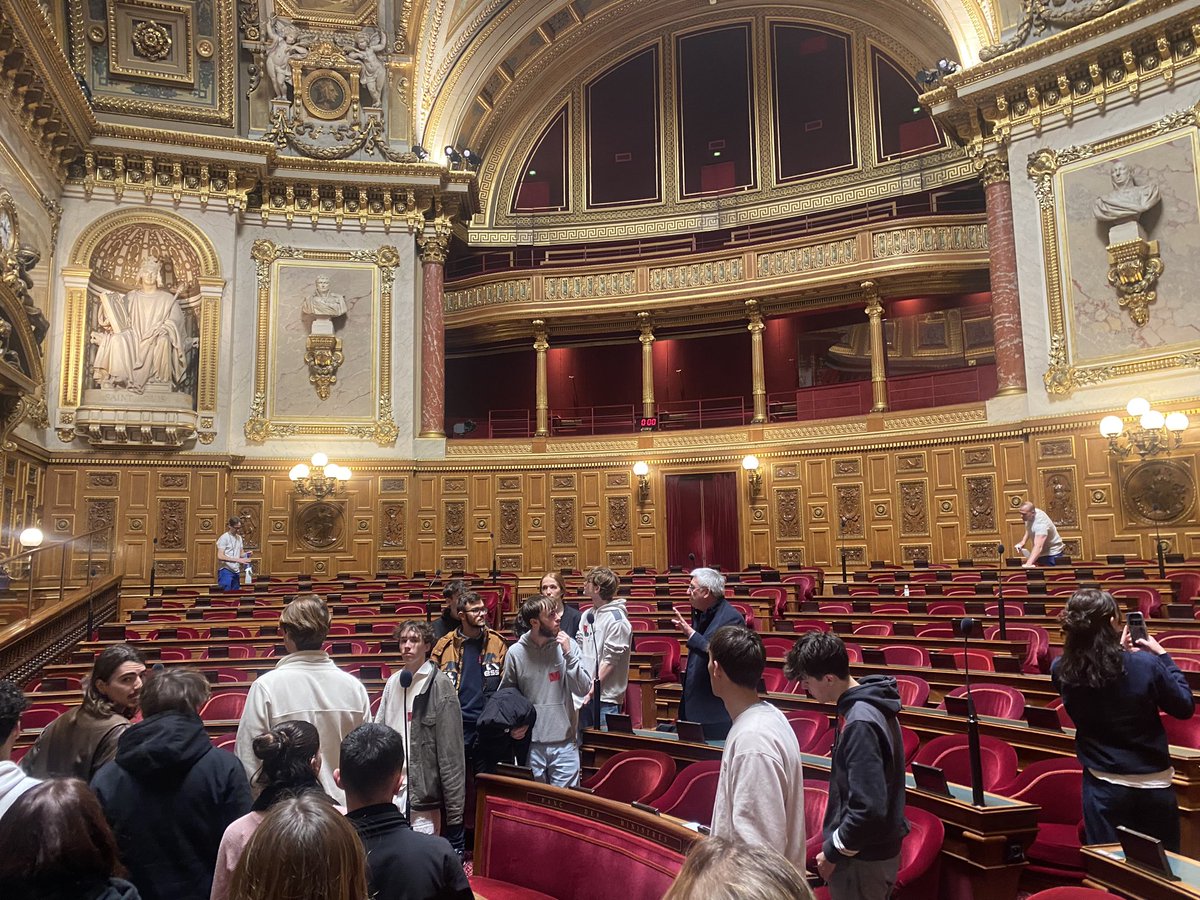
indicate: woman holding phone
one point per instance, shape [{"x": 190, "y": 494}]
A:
[{"x": 1113, "y": 688}]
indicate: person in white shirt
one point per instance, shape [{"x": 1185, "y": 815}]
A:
[
  {"x": 1042, "y": 537},
  {"x": 230, "y": 555},
  {"x": 760, "y": 790},
  {"x": 605, "y": 643},
  {"x": 13, "y": 781},
  {"x": 304, "y": 685}
]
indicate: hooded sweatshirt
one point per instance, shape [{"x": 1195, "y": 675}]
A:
[
  {"x": 169, "y": 797},
  {"x": 13, "y": 783},
  {"x": 865, "y": 814},
  {"x": 548, "y": 678},
  {"x": 612, "y": 636}
]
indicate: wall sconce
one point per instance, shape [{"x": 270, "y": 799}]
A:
[
  {"x": 642, "y": 471},
  {"x": 323, "y": 479},
  {"x": 31, "y": 538},
  {"x": 750, "y": 464},
  {"x": 1153, "y": 434}
]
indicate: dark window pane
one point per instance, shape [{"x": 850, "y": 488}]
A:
[
  {"x": 622, "y": 132},
  {"x": 543, "y": 182},
  {"x": 902, "y": 126},
  {"x": 814, "y": 129}
]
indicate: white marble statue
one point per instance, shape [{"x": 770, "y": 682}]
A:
[
  {"x": 1127, "y": 200},
  {"x": 278, "y": 57},
  {"x": 374, "y": 73},
  {"x": 145, "y": 341},
  {"x": 324, "y": 306}
]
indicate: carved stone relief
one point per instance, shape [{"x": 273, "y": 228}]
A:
[
  {"x": 393, "y": 525},
  {"x": 618, "y": 520},
  {"x": 456, "y": 524},
  {"x": 914, "y": 511},
  {"x": 1058, "y": 487},
  {"x": 172, "y": 524},
  {"x": 564, "y": 520},
  {"x": 981, "y": 501},
  {"x": 510, "y": 523},
  {"x": 787, "y": 513}
]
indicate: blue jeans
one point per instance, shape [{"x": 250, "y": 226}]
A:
[
  {"x": 227, "y": 579},
  {"x": 555, "y": 763},
  {"x": 1152, "y": 811},
  {"x": 587, "y": 714}
]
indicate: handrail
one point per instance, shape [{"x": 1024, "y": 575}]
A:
[{"x": 35, "y": 570}]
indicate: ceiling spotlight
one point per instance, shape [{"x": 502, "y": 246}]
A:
[
  {"x": 422, "y": 153},
  {"x": 947, "y": 66},
  {"x": 473, "y": 159},
  {"x": 453, "y": 156}
]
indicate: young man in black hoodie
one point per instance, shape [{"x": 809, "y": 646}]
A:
[{"x": 864, "y": 821}]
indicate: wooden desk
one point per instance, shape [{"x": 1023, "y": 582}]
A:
[
  {"x": 1107, "y": 870},
  {"x": 984, "y": 846}
]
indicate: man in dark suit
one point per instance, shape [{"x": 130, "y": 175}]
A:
[{"x": 710, "y": 611}]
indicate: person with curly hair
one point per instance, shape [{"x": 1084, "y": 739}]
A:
[{"x": 13, "y": 781}]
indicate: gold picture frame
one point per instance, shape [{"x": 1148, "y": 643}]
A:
[
  {"x": 266, "y": 419},
  {"x": 326, "y": 94},
  {"x": 1046, "y": 168}
]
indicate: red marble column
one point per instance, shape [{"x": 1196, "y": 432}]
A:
[
  {"x": 1006, "y": 301},
  {"x": 433, "y": 334}
]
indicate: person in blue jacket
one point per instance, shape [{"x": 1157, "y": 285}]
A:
[
  {"x": 710, "y": 611},
  {"x": 1113, "y": 688}
]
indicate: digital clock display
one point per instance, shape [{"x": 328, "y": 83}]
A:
[{"x": 648, "y": 423}]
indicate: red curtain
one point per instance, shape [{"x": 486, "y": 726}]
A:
[{"x": 702, "y": 525}]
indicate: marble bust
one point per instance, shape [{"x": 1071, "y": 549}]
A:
[
  {"x": 1127, "y": 201},
  {"x": 323, "y": 305}
]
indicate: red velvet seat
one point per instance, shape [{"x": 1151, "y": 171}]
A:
[
  {"x": 1186, "y": 663},
  {"x": 41, "y": 716},
  {"x": 809, "y": 625},
  {"x": 340, "y": 629},
  {"x": 1179, "y": 641},
  {"x": 384, "y": 671},
  {"x": 409, "y": 610},
  {"x": 914, "y": 690},
  {"x": 747, "y": 612},
  {"x": 363, "y": 611},
  {"x": 912, "y": 743},
  {"x": 949, "y": 753},
  {"x": 881, "y": 629},
  {"x": 358, "y": 648},
  {"x": 1071, "y": 892},
  {"x": 225, "y": 741},
  {"x": 806, "y": 585},
  {"x": 1056, "y": 785},
  {"x": 641, "y": 625},
  {"x": 672, "y": 660},
  {"x": 816, "y": 800},
  {"x": 841, "y": 608},
  {"x": 1037, "y": 644},
  {"x": 777, "y": 647},
  {"x": 633, "y": 775},
  {"x": 218, "y": 615},
  {"x": 1063, "y": 718},
  {"x": 1148, "y": 599},
  {"x": 935, "y": 630},
  {"x": 241, "y": 651},
  {"x": 920, "y": 856},
  {"x": 810, "y": 727},
  {"x": 174, "y": 654},
  {"x": 644, "y": 608},
  {"x": 946, "y": 608},
  {"x": 230, "y": 675},
  {"x": 491, "y": 889},
  {"x": 1182, "y": 732},
  {"x": 690, "y": 796},
  {"x": 1011, "y": 608},
  {"x": 905, "y": 655},
  {"x": 889, "y": 609},
  {"x": 237, "y": 631},
  {"x": 775, "y": 681},
  {"x": 979, "y": 660},
  {"x": 226, "y": 705},
  {"x": 854, "y": 651},
  {"x": 997, "y": 700},
  {"x": 1187, "y": 585},
  {"x": 383, "y": 628},
  {"x": 778, "y": 597}
]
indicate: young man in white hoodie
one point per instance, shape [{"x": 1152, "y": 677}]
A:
[
  {"x": 605, "y": 640},
  {"x": 13, "y": 781},
  {"x": 546, "y": 667}
]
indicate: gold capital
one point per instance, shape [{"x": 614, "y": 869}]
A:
[
  {"x": 434, "y": 239},
  {"x": 993, "y": 169}
]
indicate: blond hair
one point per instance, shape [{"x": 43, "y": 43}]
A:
[
  {"x": 306, "y": 621},
  {"x": 718, "y": 869}
]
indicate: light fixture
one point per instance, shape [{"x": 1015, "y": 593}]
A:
[
  {"x": 750, "y": 464},
  {"x": 1154, "y": 433},
  {"x": 642, "y": 470},
  {"x": 472, "y": 159},
  {"x": 31, "y": 538},
  {"x": 453, "y": 156},
  {"x": 421, "y": 152},
  {"x": 321, "y": 479}
]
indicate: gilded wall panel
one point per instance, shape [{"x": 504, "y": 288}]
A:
[
  {"x": 1058, "y": 496},
  {"x": 981, "y": 503},
  {"x": 914, "y": 511},
  {"x": 945, "y": 471},
  {"x": 910, "y": 463},
  {"x": 172, "y": 524},
  {"x": 816, "y": 477},
  {"x": 564, "y": 521},
  {"x": 850, "y": 510},
  {"x": 455, "y": 533},
  {"x": 395, "y": 525},
  {"x": 846, "y": 466},
  {"x": 1013, "y": 464},
  {"x": 879, "y": 471},
  {"x": 250, "y": 512},
  {"x": 618, "y": 520},
  {"x": 510, "y": 523},
  {"x": 787, "y": 513}
]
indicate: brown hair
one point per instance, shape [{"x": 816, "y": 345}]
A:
[
  {"x": 534, "y": 607},
  {"x": 605, "y": 580},
  {"x": 719, "y": 869},
  {"x": 422, "y": 629},
  {"x": 1092, "y": 653},
  {"x": 304, "y": 849},
  {"x": 557, "y": 579},
  {"x": 175, "y": 690},
  {"x": 56, "y": 835},
  {"x": 103, "y": 669},
  {"x": 287, "y": 753},
  {"x": 306, "y": 621}
]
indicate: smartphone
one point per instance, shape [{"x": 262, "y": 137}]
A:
[{"x": 1137, "y": 626}]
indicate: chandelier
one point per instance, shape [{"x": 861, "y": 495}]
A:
[
  {"x": 1153, "y": 434},
  {"x": 321, "y": 480}
]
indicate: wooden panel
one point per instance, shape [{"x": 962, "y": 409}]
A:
[
  {"x": 879, "y": 473},
  {"x": 945, "y": 470}
]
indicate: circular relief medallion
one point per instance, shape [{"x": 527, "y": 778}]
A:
[
  {"x": 151, "y": 40},
  {"x": 205, "y": 48},
  {"x": 97, "y": 34},
  {"x": 1159, "y": 491},
  {"x": 320, "y": 525},
  {"x": 326, "y": 94},
  {"x": 8, "y": 225}
]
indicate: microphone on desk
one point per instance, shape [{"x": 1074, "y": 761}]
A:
[
  {"x": 1000, "y": 596},
  {"x": 406, "y": 679},
  {"x": 591, "y": 626},
  {"x": 965, "y": 627}
]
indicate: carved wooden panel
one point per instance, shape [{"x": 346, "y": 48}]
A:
[
  {"x": 850, "y": 510},
  {"x": 914, "y": 510},
  {"x": 170, "y": 568},
  {"x": 395, "y": 525},
  {"x": 618, "y": 520},
  {"x": 510, "y": 523},
  {"x": 393, "y": 485},
  {"x": 564, "y": 521},
  {"x": 620, "y": 560},
  {"x": 977, "y": 456},
  {"x": 911, "y": 552},
  {"x": 101, "y": 514},
  {"x": 1158, "y": 491},
  {"x": 984, "y": 551},
  {"x": 981, "y": 501},
  {"x": 508, "y": 483},
  {"x": 248, "y": 484},
  {"x": 510, "y": 562},
  {"x": 251, "y": 514},
  {"x": 617, "y": 480},
  {"x": 787, "y": 513},
  {"x": 1058, "y": 448},
  {"x": 172, "y": 524},
  {"x": 455, "y": 533},
  {"x": 907, "y": 463},
  {"x": 454, "y": 486},
  {"x": 103, "y": 479},
  {"x": 786, "y": 471},
  {"x": 1058, "y": 489},
  {"x": 563, "y": 483},
  {"x": 791, "y": 557},
  {"x": 848, "y": 466}
]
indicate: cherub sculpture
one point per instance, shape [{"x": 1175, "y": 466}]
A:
[
  {"x": 284, "y": 46},
  {"x": 366, "y": 52}
]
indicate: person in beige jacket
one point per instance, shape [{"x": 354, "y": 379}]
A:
[{"x": 305, "y": 685}]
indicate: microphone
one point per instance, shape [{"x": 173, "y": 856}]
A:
[
  {"x": 1000, "y": 596},
  {"x": 153, "y": 566},
  {"x": 591, "y": 623},
  {"x": 966, "y": 626},
  {"x": 406, "y": 680},
  {"x": 691, "y": 557}
]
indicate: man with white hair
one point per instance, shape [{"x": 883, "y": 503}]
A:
[{"x": 710, "y": 611}]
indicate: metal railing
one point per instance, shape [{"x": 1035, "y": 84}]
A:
[{"x": 47, "y": 572}]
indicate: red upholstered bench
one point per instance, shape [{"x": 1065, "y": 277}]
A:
[{"x": 491, "y": 889}]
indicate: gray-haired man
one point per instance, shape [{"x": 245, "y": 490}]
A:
[{"x": 709, "y": 612}]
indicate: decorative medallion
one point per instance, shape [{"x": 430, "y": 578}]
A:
[
  {"x": 326, "y": 94},
  {"x": 1159, "y": 491},
  {"x": 151, "y": 40},
  {"x": 320, "y": 525}
]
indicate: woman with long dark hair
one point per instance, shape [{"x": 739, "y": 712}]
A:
[
  {"x": 1113, "y": 688},
  {"x": 58, "y": 846},
  {"x": 291, "y": 758},
  {"x": 83, "y": 739}
]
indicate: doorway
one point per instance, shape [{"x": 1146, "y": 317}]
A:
[{"x": 702, "y": 521}]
